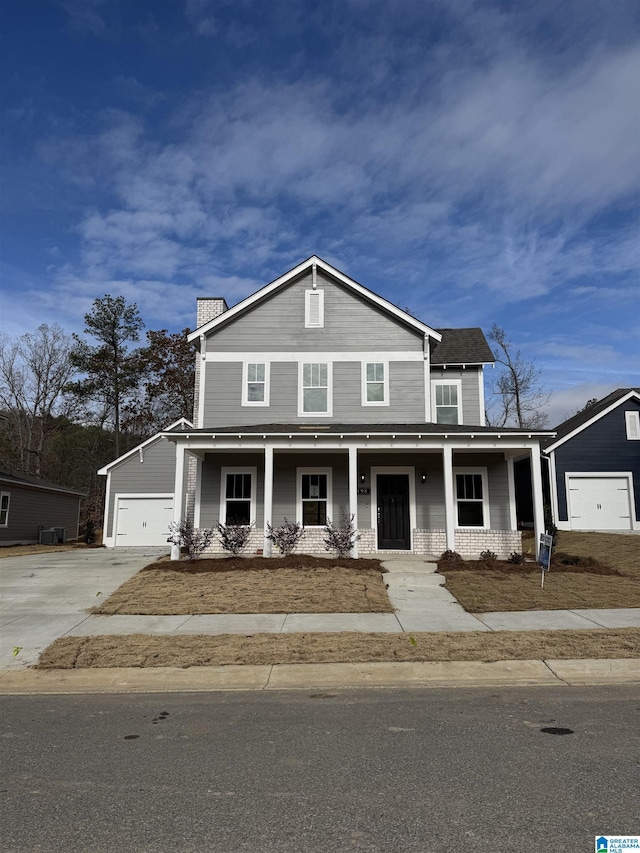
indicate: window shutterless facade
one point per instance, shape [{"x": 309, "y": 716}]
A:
[
  {"x": 472, "y": 508},
  {"x": 5, "y": 500},
  {"x": 238, "y": 496},
  {"x": 315, "y": 389},
  {"x": 255, "y": 384},
  {"x": 314, "y": 496},
  {"x": 447, "y": 401},
  {"x": 375, "y": 383}
]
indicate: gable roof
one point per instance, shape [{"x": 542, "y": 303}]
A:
[
  {"x": 180, "y": 424},
  {"x": 36, "y": 483},
  {"x": 575, "y": 424},
  {"x": 285, "y": 279},
  {"x": 462, "y": 346}
]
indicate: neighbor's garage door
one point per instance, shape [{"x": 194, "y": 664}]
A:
[
  {"x": 599, "y": 503},
  {"x": 143, "y": 521}
]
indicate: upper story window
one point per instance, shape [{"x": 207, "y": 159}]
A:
[
  {"x": 255, "y": 384},
  {"x": 314, "y": 309},
  {"x": 375, "y": 383},
  {"x": 632, "y": 421},
  {"x": 471, "y": 497},
  {"x": 5, "y": 499},
  {"x": 315, "y": 392},
  {"x": 237, "y": 496},
  {"x": 447, "y": 401}
]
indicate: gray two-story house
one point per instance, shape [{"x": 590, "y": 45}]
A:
[{"x": 315, "y": 399}]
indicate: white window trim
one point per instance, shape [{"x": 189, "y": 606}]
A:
[
  {"x": 434, "y": 408},
  {"x": 6, "y": 495},
  {"x": 329, "y": 412},
  {"x": 242, "y": 469},
  {"x": 245, "y": 384},
  {"x": 363, "y": 377},
  {"x": 319, "y": 295},
  {"x": 299, "y": 473},
  {"x": 632, "y": 423},
  {"x": 486, "y": 518}
]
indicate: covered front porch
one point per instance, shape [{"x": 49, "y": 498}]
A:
[{"x": 414, "y": 490}]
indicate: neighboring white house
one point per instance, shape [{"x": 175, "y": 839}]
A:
[{"x": 317, "y": 398}]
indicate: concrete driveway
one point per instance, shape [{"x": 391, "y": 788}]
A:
[{"x": 44, "y": 596}]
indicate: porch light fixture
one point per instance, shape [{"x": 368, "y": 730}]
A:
[
  {"x": 423, "y": 477},
  {"x": 363, "y": 477}
]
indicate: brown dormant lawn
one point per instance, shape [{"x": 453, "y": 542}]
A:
[
  {"x": 296, "y": 584},
  {"x": 140, "y": 650},
  {"x": 605, "y": 575}
]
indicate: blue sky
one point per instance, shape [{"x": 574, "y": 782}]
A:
[{"x": 475, "y": 162}]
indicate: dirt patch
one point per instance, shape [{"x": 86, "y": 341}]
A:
[
  {"x": 254, "y": 585},
  {"x": 140, "y": 650},
  {"x": 25, "y": 550},
  {"x": 619, "y": 550}
]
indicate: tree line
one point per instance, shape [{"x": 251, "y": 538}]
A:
[{"x": 70, "y": 404}]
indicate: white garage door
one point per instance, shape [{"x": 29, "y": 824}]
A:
[
  {"x": 599, "y": 503},
  {"x": 143, "y": 521}
]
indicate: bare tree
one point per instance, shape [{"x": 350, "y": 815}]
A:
[
  {"x": 518, "y": 395},
  {"x": 34, "y": 371}
]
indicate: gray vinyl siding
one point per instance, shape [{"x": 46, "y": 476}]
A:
[
  {"x": 277, "y": 323},
  {"x": 31, "y": 510},
  {"x": 601, "y": 447},
  {"x": 154, "y": 475},
  {"x": 470, "y": 378},
  {"x": 223, "y": 400}
]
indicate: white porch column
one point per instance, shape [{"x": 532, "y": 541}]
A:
[
  {"x": 538, "y": 499},
  {"x": 268, "y": 496},
  {"x": 449, "y": 500},
  {"x": 178, "y": 495},
  {"x": 353, "y": 492},
  {"x": 511, "y": 479}
]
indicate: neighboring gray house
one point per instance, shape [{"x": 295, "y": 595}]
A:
[
  {"x": 317, "y": 398},
  {"x": 29, "y": 505},
  {"x": 594, "y": 466}
]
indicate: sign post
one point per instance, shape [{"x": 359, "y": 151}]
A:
[{"x": 544, "y": 555}]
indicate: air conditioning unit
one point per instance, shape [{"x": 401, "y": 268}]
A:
[
  {"x": 48, "y": 537},
  {"x": 61, "y": 533}
]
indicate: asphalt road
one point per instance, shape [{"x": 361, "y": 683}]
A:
[{"x": 370, "y": 770}]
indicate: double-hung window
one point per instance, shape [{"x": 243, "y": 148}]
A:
[
  {"x": 375, "y": 383},
  {"x": 255, "y": 384},
  {"x": 314, "y": 497},
  {"x": 471, "y": 498},
  {"x": 315, "y": 389},
  {"x": 447, "y": 401},
  {"x": 5, "y": 499},
  {"x": 237, "y": 496}
]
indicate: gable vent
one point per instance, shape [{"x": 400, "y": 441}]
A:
[{"x": 314, "y": 309}]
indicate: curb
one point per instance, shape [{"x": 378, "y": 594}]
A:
[{"x": 518, "y": 673}]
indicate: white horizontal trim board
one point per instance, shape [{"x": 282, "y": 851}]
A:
[{"x": 315, "y": 355}]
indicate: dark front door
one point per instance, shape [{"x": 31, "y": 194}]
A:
[{"x": 394, "y": 533}]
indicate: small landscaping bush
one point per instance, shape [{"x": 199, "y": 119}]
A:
[
  {"x": 487, "y": 555},
  {"x": 516, "y": 558},
  {"x": 194, "y": 540},
  {"x": 341, "y": 537},
  {"x": 451, "y": 557},
  {"x": 285, "y": 537},
  {"x": 234, "y": 537}
]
